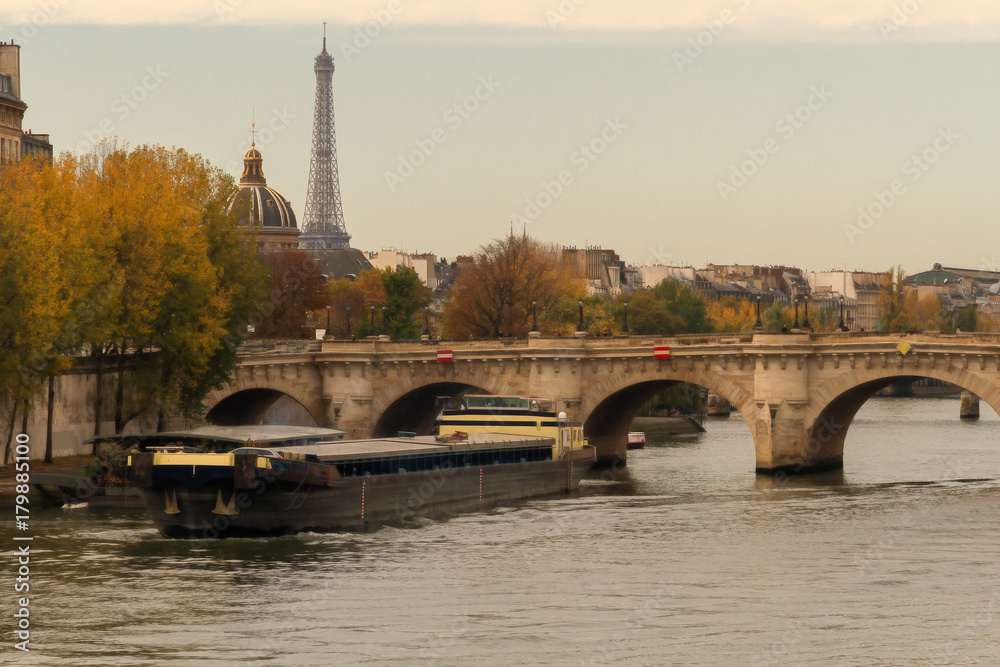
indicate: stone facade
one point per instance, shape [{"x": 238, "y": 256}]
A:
[
  {"x": 14, "y": 142},
  {"x": 11, "y": 107},
  {"x": 798, "y": 393}
]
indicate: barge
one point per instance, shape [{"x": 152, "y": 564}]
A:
[{"x": 352, "y": 484}]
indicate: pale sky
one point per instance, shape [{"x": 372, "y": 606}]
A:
[{"x": 846, "y": 133}]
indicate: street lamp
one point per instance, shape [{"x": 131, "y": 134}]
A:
[
  {"x": 796, "y": 298},
  {"x": 348, "y": 321},
  {"x": 534, "y": 314},
  {"x": 805, "y": 322},
  {"x": 625, "y": 324},
  {"x": 427, "y": 322},
  {"x": 328, "y": 320},
  {"x": 579, "y": 327},
  {"x": 757, "y": 324},
  {"x": 385, "y": 331},
  {"x": 842, "y": 327},
  {"x": 371, "y": 328}
]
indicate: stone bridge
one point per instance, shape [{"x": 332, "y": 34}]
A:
[{"x": 798, "y": 392}]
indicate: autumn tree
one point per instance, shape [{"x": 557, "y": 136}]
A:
[
  {"x": 36, "y": 281},
  {"x": 777, "y": 317},
  {"x": 171, "y": 277},
  {"x": 732, "y": 315},
  {"x": 399, "y": 290},
  {"x": 825, "y": 320},
  {"x": 512, "y": 279},
  {"x": 295, "y": 288},
  {"x": 365, "y": 295},
  {"x": 930, "y": 314},
  {"x": 895, "y": 310}
]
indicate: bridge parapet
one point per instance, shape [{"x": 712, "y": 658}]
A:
[
  {"x": 797, "y": 391},
  {"x": 815, "y": 341}
]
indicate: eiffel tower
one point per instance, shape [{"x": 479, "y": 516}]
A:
[{"x": 323, "y": 224}]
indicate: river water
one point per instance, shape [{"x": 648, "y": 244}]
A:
[{"x": 685, "y": 558}]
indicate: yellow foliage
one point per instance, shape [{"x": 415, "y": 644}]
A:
[
  {"x": 512, "y": 279},
  {"x": 732, "y": 315}
]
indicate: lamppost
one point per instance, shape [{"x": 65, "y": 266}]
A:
[
  {"x": 796, "y": 298},
  {"x": 385, "y": 331},
  {"x": 534, "y": 314},
  {"x": 625, "y": 323},
  {"x": 579, "y": 327},
  {"x": 757, "y": 324},
  {"x": 327, "y": 333},
  {"x": 371, "y": 327},
  {"x": 842, "y": 327},
  {"x": 427, "y": 323},
  {"x": 348, "y": 321},
  {"x": 805, "y": 322}
]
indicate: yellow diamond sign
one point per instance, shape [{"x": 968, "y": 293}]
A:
[{"x": 904, "y": 347}]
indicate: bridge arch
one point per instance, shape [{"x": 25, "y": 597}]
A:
[
  {"x": 245, "y": 403},
  {"x": 832, "y": 408},
  {"x": 608, "y": 408},
  {"x": 409, "y": 404}
]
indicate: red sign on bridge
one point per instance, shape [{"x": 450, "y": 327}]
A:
[
  {"x": 445, "y": 357},
  {"x": 661, "y": 352}
]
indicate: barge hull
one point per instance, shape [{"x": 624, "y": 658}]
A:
[{"x": 276, "y": 506}]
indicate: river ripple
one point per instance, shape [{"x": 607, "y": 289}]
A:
[{"x": 685, "y": 558}]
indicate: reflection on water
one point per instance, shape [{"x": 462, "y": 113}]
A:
[{"x": 684, "y": 557}]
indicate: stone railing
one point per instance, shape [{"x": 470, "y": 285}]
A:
[{"x": 257, "y": 348}]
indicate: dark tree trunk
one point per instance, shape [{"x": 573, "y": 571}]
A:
[
  {"x": 99, "y": 394},
  {"x": 120, "y": 393},
  {"x": 98, "y": 399},
  {"x": 10, "y": 431},
  {"x": 25, "y": 413},
  {"x": 49, "y": 408}
]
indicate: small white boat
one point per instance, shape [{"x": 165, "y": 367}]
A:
[{"x": 636, "y": 440}]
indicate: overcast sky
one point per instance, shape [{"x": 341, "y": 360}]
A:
[{"x": 849, "y": 133}]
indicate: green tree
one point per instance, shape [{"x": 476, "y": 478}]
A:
[
  {"x": 776, "y": 318},
  {"x": 682, "y": 397},
  {"x": 649, "y": 315},
  {"x": 405, "y": 297},
  {"x": 826, "y": 319},
  {"x": 966, "y": 319},
  {"x": 398, "y": 290},
  {"x": 685, "y": 303}
]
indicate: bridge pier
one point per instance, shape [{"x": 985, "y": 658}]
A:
[
  {"x": 787, "y": 439},
  {"x": 787, "y": 444}
]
